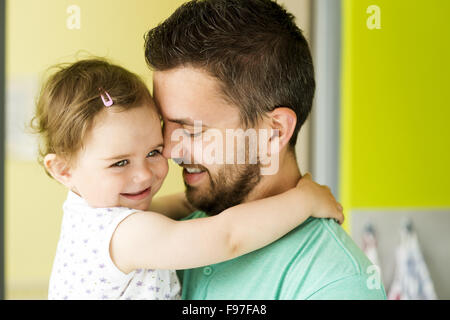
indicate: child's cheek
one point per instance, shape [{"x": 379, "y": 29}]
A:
[
  {"x": 160, "y": 171},
  {"x": 165, "y": 168}
]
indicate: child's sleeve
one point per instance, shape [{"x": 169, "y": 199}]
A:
[{"x": 116, "y": 216}]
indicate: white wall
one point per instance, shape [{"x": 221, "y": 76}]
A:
[{"x": 301, "y": 9}]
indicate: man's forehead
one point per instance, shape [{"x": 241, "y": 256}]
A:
[{"x": 185, "y": 95}]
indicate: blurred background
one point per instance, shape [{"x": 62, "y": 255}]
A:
[{"x": 379, "y": 133}]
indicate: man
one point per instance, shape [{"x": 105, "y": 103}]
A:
[{"x": 229, "y": 66}]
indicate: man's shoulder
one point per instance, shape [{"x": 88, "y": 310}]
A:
[
  {"x": 326, "y": 239},
  {"x": 322, "y": 238},
  {"x": 330, "y": 261},
  {"x": 195, "y": 215},
  {"x": 315, "y": 260},
  {"x": 318, "y": 245}
]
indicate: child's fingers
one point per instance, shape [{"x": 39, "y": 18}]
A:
[
  {"x": 341, "y": 213},
  {"x": 338, "y": 214},
  {"x": 307, "y": 176},
  {"x": 304, "y": 179},
  {"x": 340, "y": 218}
]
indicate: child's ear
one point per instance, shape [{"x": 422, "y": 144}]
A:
[{"x": 59, "y": 169}]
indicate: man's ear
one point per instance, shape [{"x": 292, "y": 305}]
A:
[
  {"x": 283, "y": 120},
  {"x": 59, "y": 169}
]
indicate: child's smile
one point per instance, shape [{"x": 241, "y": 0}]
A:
[{"x": 138, "y": 195}]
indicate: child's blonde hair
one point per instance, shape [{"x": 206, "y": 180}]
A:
[{"x": 70, "y": 99}]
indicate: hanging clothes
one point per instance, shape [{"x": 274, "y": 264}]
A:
[
  {"x": 370, "y": 247},
  {"x": 412, "y": 280}
]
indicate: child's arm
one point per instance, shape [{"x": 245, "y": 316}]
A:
[
  {"x": 174, "y": 206},
  {"x": 152, "y": 241}
]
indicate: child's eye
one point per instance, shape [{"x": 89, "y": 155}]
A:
[
  {"x": 154, "y": 153},
  {"x": 121, "y": 163}
]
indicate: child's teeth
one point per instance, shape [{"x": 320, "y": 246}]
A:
[{"x": 193, "y": 170}]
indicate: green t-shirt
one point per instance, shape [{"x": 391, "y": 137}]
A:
[{"x": 317, "y": 260}]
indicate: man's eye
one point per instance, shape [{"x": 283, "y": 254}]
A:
[
  {"x": 154, "y": 153},
  {"x": 122, "y": 163},
  {"x": 192, "y": 135}
]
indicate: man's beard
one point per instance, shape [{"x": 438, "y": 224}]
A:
[{"x": 226, "y": 189}]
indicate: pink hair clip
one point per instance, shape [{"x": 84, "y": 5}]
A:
[{"x": 109, "y": 102}]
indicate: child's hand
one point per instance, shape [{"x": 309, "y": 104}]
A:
[{"x": 321, "y": 200}]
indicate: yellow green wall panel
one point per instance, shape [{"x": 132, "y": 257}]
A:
[{"x": 395, "y": 105}]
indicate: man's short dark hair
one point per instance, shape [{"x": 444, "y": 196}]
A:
[{"x": 253, "y": 47}]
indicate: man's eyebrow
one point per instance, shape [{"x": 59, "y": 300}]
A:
[
  {"x": 186, "y": 122},
  {"x": 124, "y": 156}
]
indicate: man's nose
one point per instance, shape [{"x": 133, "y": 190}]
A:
[
  {"x": 169, "y": 149},
  {"x": 173, "y": 148}
]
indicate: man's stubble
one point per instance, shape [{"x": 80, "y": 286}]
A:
[{"x": 228, "y": 188}]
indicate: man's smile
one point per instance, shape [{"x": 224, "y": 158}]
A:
[{"x": 192, "y": 174}]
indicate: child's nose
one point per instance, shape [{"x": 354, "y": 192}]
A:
[{"x": 142, "y": 174}]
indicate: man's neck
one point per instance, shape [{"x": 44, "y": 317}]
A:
[{"x": 286, "y": 178}]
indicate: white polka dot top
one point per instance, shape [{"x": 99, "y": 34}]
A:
[{"x": 83, "y": 268}]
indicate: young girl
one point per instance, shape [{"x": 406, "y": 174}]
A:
[{"x": 102, "y": 139}]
